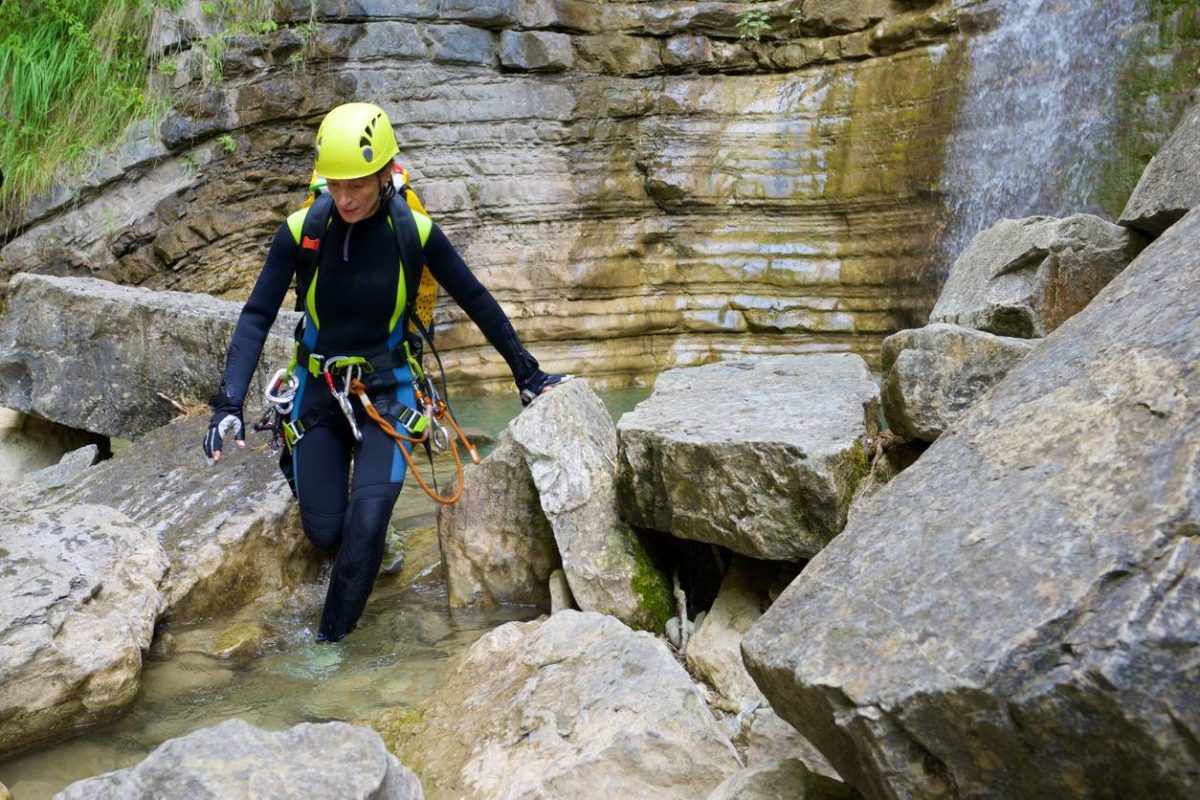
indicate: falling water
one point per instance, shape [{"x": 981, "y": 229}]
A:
[{"x": 1034, "y": 124}]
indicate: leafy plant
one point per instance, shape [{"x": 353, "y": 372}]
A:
[
  {"x": 753, "y": 22},
  {"x": 227, "y": 142}
]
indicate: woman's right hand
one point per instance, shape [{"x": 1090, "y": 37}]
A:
[{"x": 226, "y": 420}]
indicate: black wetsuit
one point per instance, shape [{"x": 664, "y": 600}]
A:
[{"x": 347, "y": 488}]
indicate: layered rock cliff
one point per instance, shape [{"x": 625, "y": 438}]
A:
[{"x": 640, "y": 187}]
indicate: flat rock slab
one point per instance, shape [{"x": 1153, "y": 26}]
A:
[
  {"x": 1170, "y": 185},
  {"x": 569, "y": 442},
  {"x": 1021, "y": 607},
  {"x": 96, "y": 356},
  {"x": 497, "y": 545},
  {"x": 578, "y": 705},
  {"x": 80, "y": 596},
  {"x": 932, "y": 375},
  {"x": 1025, "y": 277},
  {"x": 760, "y": 455},
  {"x": 326, "y": 761},
  {"x": 232, "y": 531}
]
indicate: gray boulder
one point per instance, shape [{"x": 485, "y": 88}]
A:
[
  {"x": 577, "y": 705},
  {"x": 932, "y": 375},
  {"x": 760, "y": 455},
  {"x": 1024, "y": 277},
  {"x": 1018, "y": 609},
  {"x": 93, "y": 355},
  {"x": 231, "y": 531},
  {"x": 326, "y": 761},
  {"x": 785, "y": 779},
  {"x": 497, "y": 545},
  {"x": 570, "y": 444},
  {"x": 1170, "y": 185},
  {"x": 68, "y": 469},
  {"x": 80, "y": 589}
]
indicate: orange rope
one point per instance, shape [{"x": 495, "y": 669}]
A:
[{"x": 440, "y": 412}]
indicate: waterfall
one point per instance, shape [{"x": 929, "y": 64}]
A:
[{"x": 1038, "y": 106}]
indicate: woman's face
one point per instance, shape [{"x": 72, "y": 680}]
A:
[{"x": 357, "y": 198}]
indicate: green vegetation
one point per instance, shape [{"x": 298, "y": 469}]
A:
[
  {"x": 652, "y": 590},
  {"x": 754, "y": 21},
  {"x": 1153, "y": 92},
  {"x": 74, "y": 75}
]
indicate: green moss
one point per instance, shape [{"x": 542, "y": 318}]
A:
[
  {"x": 652, "y": 590},
  {"x": 851, "y": 472},
  {"x": 1153, "y": 90}
]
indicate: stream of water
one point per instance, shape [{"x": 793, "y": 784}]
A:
[
  {"x": 391, "y": 660},
  {"x": 1033, "y": 127}
]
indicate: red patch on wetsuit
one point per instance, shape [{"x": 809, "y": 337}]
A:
[{"x": 310, "y": 244}]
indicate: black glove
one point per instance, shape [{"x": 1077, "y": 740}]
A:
[
  {"x": 226, "y": 419},
  {"x": 539, "y": 383}
]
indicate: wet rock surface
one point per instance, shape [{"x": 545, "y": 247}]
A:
[
  {"x": 569, "y": 442},
  {"x": 1025, "y": 277},
  {"x": 325, "y": 761},
  {"x": 560, "y": 707},
  {"x": 760, "y": 455},
  {"x": 1018, "y": 608},
  {"x": 81, "y": 594},
  {"x": 932, "y": 375},
  {"x": 232, "y": 531},
  {"x": 100, "y": 357}
]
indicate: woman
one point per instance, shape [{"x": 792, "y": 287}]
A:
[{"x": 353, "y": 310}]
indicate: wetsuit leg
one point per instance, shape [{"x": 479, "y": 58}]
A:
[
  {"x": 376, "y": 485},
  {"x": 321, "y": 462}
]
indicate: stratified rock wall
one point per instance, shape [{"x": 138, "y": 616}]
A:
[{"x": 639, "y": 187}]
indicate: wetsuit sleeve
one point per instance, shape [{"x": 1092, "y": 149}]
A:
[
  {"x": 448, "y": 267},
  {"x": 257, "y": 317}
]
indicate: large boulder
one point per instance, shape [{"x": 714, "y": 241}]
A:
[
  {"x": 497, "y": 545},
  {"x": 100, "y": 357},
  {"x": 80, "y": 589},
  {"x": 760, "y": 455},
  {"x": 231, "y": 531},
  {"x": 1170, "y": 185},
  {"x": 326, "y": 761},
  {"x": 570, "y": 444},
  {"x": 578, "y": 705},
  {"x": 932, "y": 375},
  {"x": 1017, "y": 613},
  {"x": 1024, "y": 277}
]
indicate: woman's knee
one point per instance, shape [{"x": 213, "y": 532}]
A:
[{"x": 323, "y": 530}]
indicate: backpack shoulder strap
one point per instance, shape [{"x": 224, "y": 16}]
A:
[
  {"x": 308, "y": 231},
  {"x": 412, "y": 253}
]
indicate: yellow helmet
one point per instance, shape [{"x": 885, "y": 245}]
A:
[{"x": 355, "y": 139}]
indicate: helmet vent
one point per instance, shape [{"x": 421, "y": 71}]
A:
[{"x": 368, "y": 154}]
